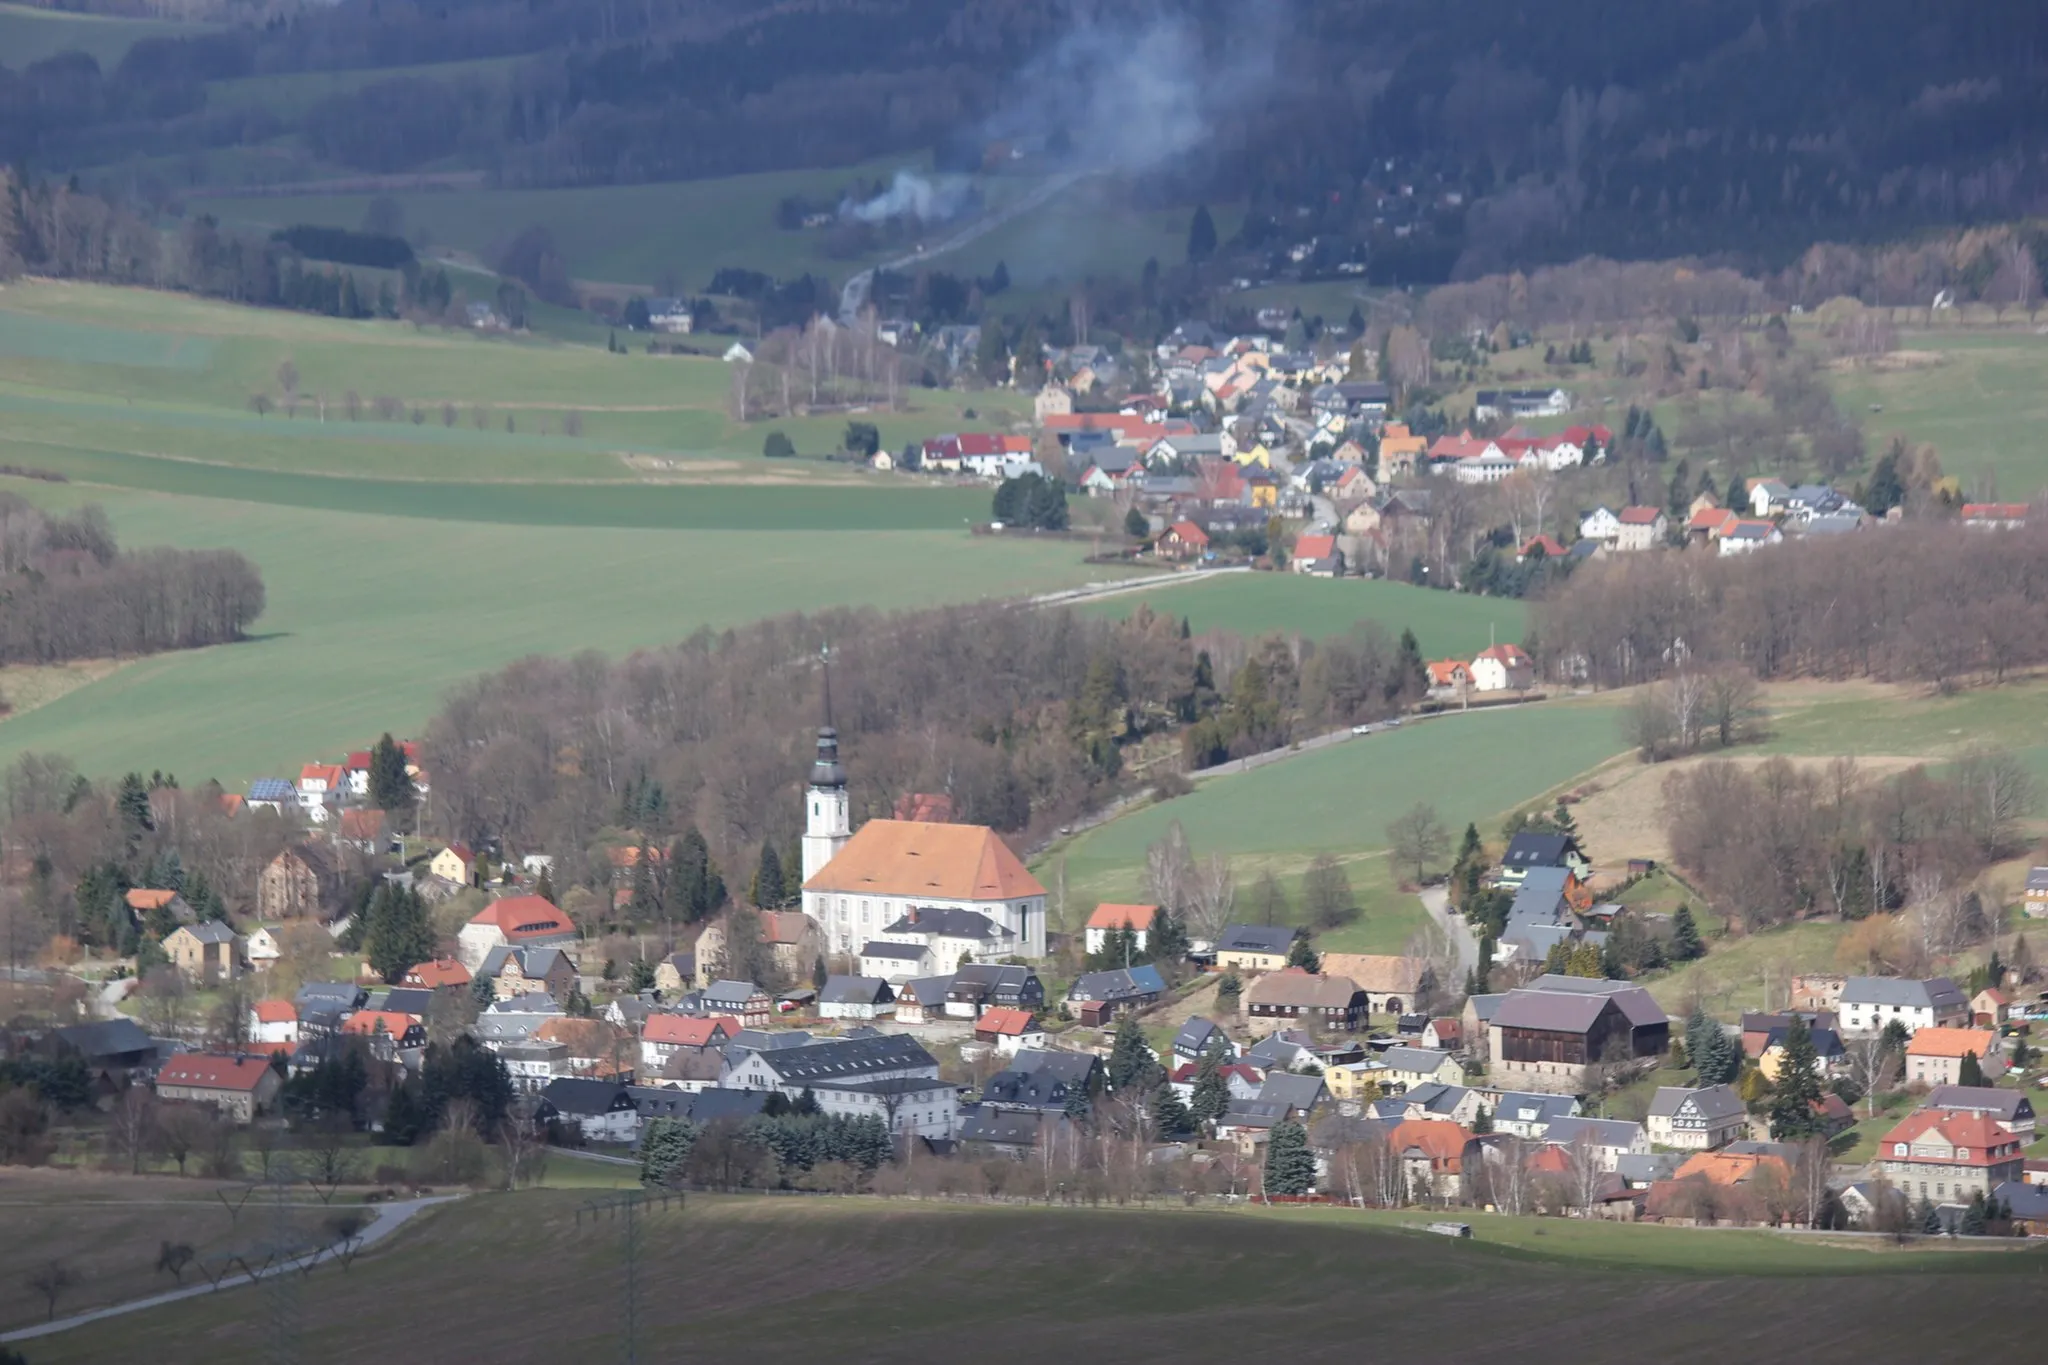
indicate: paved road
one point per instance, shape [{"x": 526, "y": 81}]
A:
[
  {"x": 389, "y": 1218},
  {"x": 1437, "y": 901}
]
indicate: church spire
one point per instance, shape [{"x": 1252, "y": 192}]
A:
[{"x": 826, "y": 771}]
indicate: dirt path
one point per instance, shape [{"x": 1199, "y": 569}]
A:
[{"x": 390, "y": 1217}]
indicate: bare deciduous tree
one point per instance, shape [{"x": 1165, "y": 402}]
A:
[{"x": 1419, "y": 839}]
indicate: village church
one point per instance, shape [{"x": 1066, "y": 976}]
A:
[{"x": 862, "y": 886}]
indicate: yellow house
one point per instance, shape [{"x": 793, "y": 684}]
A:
[
  {"x": 1257, "y": 455},
  {"x": 1254, "y": 947},
  {"x": 1265, "y": 491},
  {"x": 454, "y": 863},
  {"x": 1354, "y": 1081}
]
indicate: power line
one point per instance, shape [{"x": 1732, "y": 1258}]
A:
[{"x": 630, "y": 1209}]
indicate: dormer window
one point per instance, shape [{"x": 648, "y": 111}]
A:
[
  {"x": 1898, "y": 1149},
  {"x": 1962, "y": 1153}
]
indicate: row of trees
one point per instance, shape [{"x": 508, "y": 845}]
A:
[
  {"x": 1928, "y": 603},
  {"x": 1782, "y": 840}
]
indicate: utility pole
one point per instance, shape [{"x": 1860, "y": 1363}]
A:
[{"x": 630, "y": 1208}]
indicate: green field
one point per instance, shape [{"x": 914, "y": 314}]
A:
[
  {"x": 372, "y": 618},
  {"x": 866, "y": 1280},
  {"x": 1981, "y": 403},
  {"x": 1339, "y": 800},
  {"x": 293, "y": 93},
  {"x": 29, "y": 35},
  {"x": 1914, "y": 724},
  {"x": 1444, "y": 623}
]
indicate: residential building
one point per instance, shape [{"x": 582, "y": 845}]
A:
[
  {"x": 1525, "y": 851},
  {"x": 2037, "y": 893},
  {"x": 1642, "y": 528},
  {"x": 1317, "y": 555},
  {"x": 1110, "y": 917},
  {"x": 1948, "y": 1155},
  {"x": 855, "y": 997},
  {"x": 1097, "y": 997},
  {"x": 1434, "y": 1157},
  {"x": 1524, "y": 1115},
  {"x": 921, "y": 1000},
  {"x": 299, "y": 883},
  {"x": 888, "y": 1076},
  {"x": 1255, "y": 947},
  {"x": 1009, "y": 1031},
  {"x": 1994, "y": 516},
  {"x": 1600, "y": 525},
  {"x": 1293, "y": 997},
  {"x": 1502, "y": 668},
  {"x": 1046, "y": 1080},
  {"x": 1282, "y": 1095},
  {"x": 792, "y": 937},
  {"x": 1182, "y": 541},
  {"x": 741, "y": 1000},
  {"x": 1197, "y": 1037},
  {"x": 273, "y": 1021},
  {"x": 2009, "y": 1109},
  {"x": 443, "y": 973},
  {"x": 1989, "y": 1007},
  {"x": 1608, "y": 1140},
  {"x": 665, "y": 1037},
  {"x": 522, "y": 921},
  {"x": 1695, "y": 1120},
  {"x": 1871, "y": 1002},
  {"x": 1935, "y": 1055},
  {"x": 1743, "y": 537},
  {"x": 675, "y": 974},
  {"x": 601, "y": 1110},
  {"x": 241, "y": 1086},
  {"x": 1435, "y": 1100},
  {"x": 980, "y": 985},
  {"x": 455, "y": 863},
  {"x": 1408, "y": 1067},
  {"x": 204, "y": 953},
  {"x": 518, "y": 971},
  {"x": 895, "y": 961},
  {"x": 1545, "y": 1034},
  {"x": 949, "y": 936}
]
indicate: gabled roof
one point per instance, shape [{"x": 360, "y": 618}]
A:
[
  {"x": 1538, "y": 850},
  {"x": 684, "y": 1030},
  {"x": 210, "y": 1071},
  {"x": 1380, "y": 973},
  {"x": 1933, "y": 993},
  {"x": 855, "y": 990},
  {"x": 1960, "y": 1129},
  {"x": 1951, "y": 1042},
  {"x": 207, "y": 931},
  {"x": 941, "y": 921},
  {"x": 1442, "y": 1142},
  {"x": 913, "y": 859},
  {"x": 1709, "y": 1102},
  {"x": 1125, "y": 983},
  {"x": 1314, "y": 548},
  {"x": 1006, "y": 1022},
  {"x": 1597, "y": 1132},
  {"x": 369, "y": 1022},
  {"x": 584, "y": 1095},
  {"x": 844, "y": 1059},
  {"x": 905, "y": 952},
  {"x": 272, "y": 789},
  {"x": 518, "y": 917},
  {"x": 442, "y": 971},
  {"x": 2008, "y": 1105},
  {"x": 145, "y": 901},
  {"x": 1640, "y": 516},
  {"x": 276, "y": 1012},
  {"x": 1422, "y": 1060},
  {"x": 1256, "y": 938},
  {"x": 1111, "y": 915},
  {"x": 1297, "y": 989}
]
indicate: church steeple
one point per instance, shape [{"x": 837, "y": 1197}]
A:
[{"x": 828, "y": 816}]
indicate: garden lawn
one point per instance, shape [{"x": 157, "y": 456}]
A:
[
  {"x": 1339, "y": 800},
  {"x": 372, "y": 619},
  {"x": 2012, "y": 718},
  {"x": 1445, "y": 623},
  {"x": 1732, "y": 976}
]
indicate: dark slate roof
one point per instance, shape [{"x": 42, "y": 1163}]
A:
[
  {"x": 1826, "y": 1042},
  {"x": 1598, "y": 1132},
  {"x": 945, "y": 922},
  {"x": 1483, "y": 1006},
  {"x": 926, "y": 990},
  {"x": 905, "y": 952},
  {"x": 1125, "y": 983},
  {"x": 1518, "y": 1106},
  {"x": 1636, "y": 1003},
  {"x": 333, "y": 994},
  {"x": 408, "y": 1000},
  {"x": 2025, "y": 1201},
  {"x": 1197, "y": 1036},
  {"x": 1256, "y": 938},
  {"x": 1646, "y": 1168},
  {"x": 1070, "y": 1066},
  {"x": 729, "y": 994},
  {"x": 107, "y": 1038},
  {"x": 709, "y": 1106},
  {"x": 1437, "y": 1098},
  {"x": 2009, "y": 1105},
  {"x": 1296, "y": 1092},
  {"x": 848, "y": 1059},
  {"x": 1710, "y": 1102},
  {"x": 660, "y": 1101},
  {"x": 210, "y": 931},
  {"x": 2037, "y": 879},
  {"x": 581, "y": 1095},
  {"x": 1424, "y": 1059},
  {"x": 1007, "y": 1127},
  {"x": 855, "y": 990},
  {"x": 1537, "y": 850}
]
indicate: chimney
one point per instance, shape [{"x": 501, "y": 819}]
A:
[{"x": 913, "y": 914}]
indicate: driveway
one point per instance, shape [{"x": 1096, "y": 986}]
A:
[{"x": 1464, "y": 942}]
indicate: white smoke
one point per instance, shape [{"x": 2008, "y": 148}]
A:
[{"x": 910, "y": 195}]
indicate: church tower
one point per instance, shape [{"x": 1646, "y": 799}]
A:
[{"x": 828, "y": 821}]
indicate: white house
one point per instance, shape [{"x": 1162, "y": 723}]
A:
[
  {"x": 1609, "y": 1139},
  {"x": 1642, "y": 528},
  {"x": 1600, "y": 524},
  {"x": 515, "y": 921},
  {"x": 1110, "y": 917},
  {"x": 1555, "y": 453},
  {"x": 602, "y": 1110},
  {"x": 1490, "y": 467},
  {"x": 886, "y": 1075},
  {"x": 1501, "y": 668},
  {"x": 1869, "y": 1003},
  {"x": 1769, "y": 497},
  {"x": 261, "y": 949},
  {"x": 1746, "y": 537},
  {"x": 273, "y": 1021},
  {"x": 1695, "y": 1120},
  {"x": 855, "y": 997}
]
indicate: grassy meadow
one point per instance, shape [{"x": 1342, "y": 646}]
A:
[
  {"x": 29, "y": 35},
  {"x": 1976, "y": 395},
  {"x": 1445, "y": 624},
  {"x": 1339, "y": 800}
]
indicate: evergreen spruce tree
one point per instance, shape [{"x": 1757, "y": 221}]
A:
[
  {"x": 640, "y": 975},
  {"x": 645, "y": 903},
  {"x": 1290, "y": 1165},
  {"x": 1229, "y": 990},
  {"x": 1301, "y": 953},
  {"x": 1685, "y": 936},
  {"x": 1201, "y": 236},
  {"x": 664, "y": 1150},
  {"x": 1131, "y": 1063},
  {"x": 1482, "y": 1122},
  {"x": 1975, "y": 1216},
  {"x": 390, "y": 788},
  {"x": 1698, "y": 1026},
  {"x": 768, "y": 889},
  {"x": 1797, "y": 1087},
  {"x": 1211, "y": 1094},
  {"x": 545, "y": 887},
  {"x": 481, "y": 990},
  {"x": 1971, "y": 1072},
  {"x": 1928, "y": 1217},
  {"x": 1170, "y": 1117},
  {"x": 400, "y": 934},
  {"x": 1168, "y": 943}
]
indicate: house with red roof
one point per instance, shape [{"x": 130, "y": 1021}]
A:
[
  {"x": 1111, "y": 916},
  {"x": 273, "y": 1021},
  {"x": 1318, "y": 555},
  {"x": 666, "y": 1036},
  {"x": 513, "y": 921},
  {"x": 441, "y": 973},
  {"x": 240, "y": 1086},
  {"x": 1934, "y": 1056},
  {"x": 1182, "y": 541},
  {"x": 1642, "y": 528},
  {"x": 1502, "y": 668},
  {"x": 1549, "y": 545},
  {"x": 1994, "y": 516},
  {"x": 1449, "y": 676},
  {"x": 1241, "y": 1079},
  {"x": 1009, "y": 1030},
  {"x": 356, "y": 772},
  {"x": 1709, "y": 524},
  {"x": 1949, "y": 1155},
  {"x": 1434, "y": 1155}
]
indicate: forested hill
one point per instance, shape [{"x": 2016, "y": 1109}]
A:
[{"x": 1536, "y": 131}]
